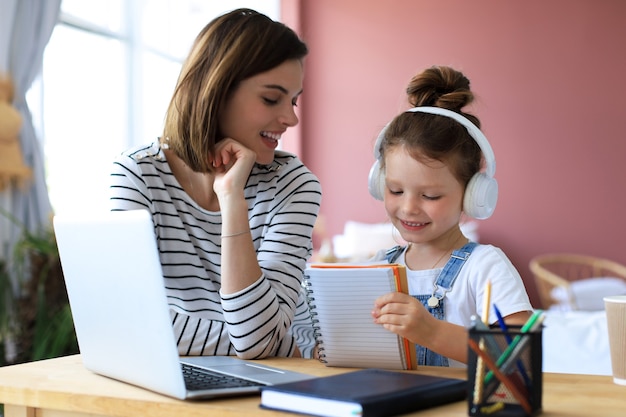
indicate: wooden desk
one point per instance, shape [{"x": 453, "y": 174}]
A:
[{"x": 63, "y": 387}]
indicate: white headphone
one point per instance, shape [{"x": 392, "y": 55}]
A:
[{"x": 481, "y": 193}]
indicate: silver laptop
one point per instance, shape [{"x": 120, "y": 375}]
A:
[{"x": 117, "y": 296}]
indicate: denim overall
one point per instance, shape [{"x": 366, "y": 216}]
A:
[{"x": 435, "y": 302}]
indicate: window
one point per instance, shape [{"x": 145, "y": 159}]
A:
[{"x": 109, "y": 70}]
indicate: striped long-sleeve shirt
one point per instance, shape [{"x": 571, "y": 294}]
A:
[{"x": 283, "y": 202}]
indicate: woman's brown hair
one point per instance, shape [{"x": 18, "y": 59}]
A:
[{"x": 230, "y": 49}]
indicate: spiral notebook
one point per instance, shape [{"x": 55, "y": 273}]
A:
[{"x": 341, "y": 298}]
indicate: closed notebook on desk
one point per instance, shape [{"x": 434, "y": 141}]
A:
[
  {"x": 364, "y": 393},
  {"x": 341, "y": 298}
]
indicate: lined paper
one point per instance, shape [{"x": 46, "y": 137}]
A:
[{"x": 341, "y": 300}]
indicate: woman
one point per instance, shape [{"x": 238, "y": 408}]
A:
[{"x": 233, "y": 216}]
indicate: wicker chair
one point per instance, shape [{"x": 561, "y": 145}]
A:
[{"x": 560, "y": 270}]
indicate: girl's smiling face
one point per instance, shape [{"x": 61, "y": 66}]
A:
[
  {"x": 423, "y": 199},
  {"x": 262, "y": 107}
]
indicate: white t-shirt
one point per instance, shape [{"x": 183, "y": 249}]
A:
[{"x": 466, "y": 298}]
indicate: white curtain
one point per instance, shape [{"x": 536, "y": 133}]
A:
[{"x": 25, "y": 29}]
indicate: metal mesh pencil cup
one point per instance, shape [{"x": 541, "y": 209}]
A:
[{"x": 504, "y": 372}]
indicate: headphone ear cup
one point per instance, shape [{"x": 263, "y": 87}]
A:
[
  {"x": 376, "y": 181},
  {"x": 481, "y": 196},
  {"x": 376, "y": 178}
]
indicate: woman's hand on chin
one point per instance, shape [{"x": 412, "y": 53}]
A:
[{"x": 233, "y": 163}]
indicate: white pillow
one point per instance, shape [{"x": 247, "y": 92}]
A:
[
  {"x": 589, "y": 293},
  {"x": 362, "y": 240},
  {"x": 576, "y": 342}
]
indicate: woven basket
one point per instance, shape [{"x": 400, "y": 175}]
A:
[{"x": 561, "y": 269}]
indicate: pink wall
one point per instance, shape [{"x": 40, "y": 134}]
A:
[{"x": 551, "y": 87}]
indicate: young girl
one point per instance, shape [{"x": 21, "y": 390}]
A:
[
  {"x": 233, "y": 216},
  {"x": 428, "y": 173}
]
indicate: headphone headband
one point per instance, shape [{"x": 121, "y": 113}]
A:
[{"x": 472, "y": 129}]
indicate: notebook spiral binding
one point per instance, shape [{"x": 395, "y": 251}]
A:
[{"x": 316, "y": 328}]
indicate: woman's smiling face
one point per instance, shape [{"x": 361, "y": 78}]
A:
[{"x": 262, "y": 107}]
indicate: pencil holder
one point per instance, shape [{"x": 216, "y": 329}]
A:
[{"x": 504, "y": 372}]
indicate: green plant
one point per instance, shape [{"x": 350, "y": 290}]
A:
[
  {"x": 5, "y": 299},
  {"x": 35, "y": 316}
]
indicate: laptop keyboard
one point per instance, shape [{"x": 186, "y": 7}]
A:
[{"x": 200, "y": 379}]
